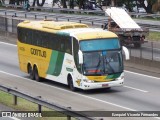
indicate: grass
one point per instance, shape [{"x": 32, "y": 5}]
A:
[
  {"x": 153, "y": 36},
  {"x": 24, "y": 105}
]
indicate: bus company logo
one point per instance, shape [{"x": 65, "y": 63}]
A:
[{"x": 38, "y": 52}]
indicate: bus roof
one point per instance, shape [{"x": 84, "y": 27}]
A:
[{"x": 78, "y": 30}]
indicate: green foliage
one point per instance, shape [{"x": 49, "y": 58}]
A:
[{"x": 140, "y": 3}]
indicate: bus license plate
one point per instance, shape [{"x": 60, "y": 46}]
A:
[{"x": 104, "y": 85}]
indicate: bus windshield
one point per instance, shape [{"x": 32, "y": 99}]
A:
[
  {"x": 102, "y": 57},
  {"x": 99, "y": 44}
]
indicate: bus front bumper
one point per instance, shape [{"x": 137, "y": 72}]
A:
[{"x": 97, "y": 85}]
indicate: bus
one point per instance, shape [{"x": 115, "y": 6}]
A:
[{"x": 70, "y": 53}]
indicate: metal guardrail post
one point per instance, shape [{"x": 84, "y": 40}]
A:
[
  {"x": 152, "y": 49},
  {"x": 35, "y": 16},
  {"x": 15, "y": 99},
  {"x": 68, "y": 19},
  {"x": 25, "y": 15},
  {"x": 69, "y": 117},
  {"x": 5, "y": 13},
  {"x": 56, "y": 19},
  {"x": 92, "y": 23},
  {"x": 39, "y": 106},
  {"x": 140, "y": 52},
  {"x": 130, "y": 52},
  {"x": 80, "y": 21},
  {"x": 6, "y": 25},
  {"x": 45, "y": 17}
]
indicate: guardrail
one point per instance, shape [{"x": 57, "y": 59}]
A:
[
  {"x": 41, "y": 102},
  {"x": 92, "y": 20}
]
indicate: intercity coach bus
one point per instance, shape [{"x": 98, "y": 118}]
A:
[{"x": 70, "y": 53}]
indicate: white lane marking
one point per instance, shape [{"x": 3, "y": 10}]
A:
[
  {"x": 8, "y": 44},
  {"x": 142, "y": 75},
  {"x": 73, "y": 92},
  {"x": 135, "y": 89},
  {"x": 14, "y": 118}
]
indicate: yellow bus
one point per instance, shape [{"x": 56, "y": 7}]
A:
[{"x": 70, "y": 53}]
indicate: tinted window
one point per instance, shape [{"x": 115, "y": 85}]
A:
[{"x": 47, "y": 40}]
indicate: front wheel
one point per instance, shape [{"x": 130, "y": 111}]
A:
[{"x": 71, "y": 85}]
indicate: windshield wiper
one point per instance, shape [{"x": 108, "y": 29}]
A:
[
  {"x": 99, "y": 63},
  {"x": 110, "y": 66}
]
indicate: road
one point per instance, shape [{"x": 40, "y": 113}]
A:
[{"x": 140, "y": 92}]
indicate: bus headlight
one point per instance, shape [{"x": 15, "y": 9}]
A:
[{"x": 89, "y": 81}]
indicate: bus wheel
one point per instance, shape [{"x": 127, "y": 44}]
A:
[
  {"x": 71, "y": 85},
  {"x": 37, "y": 78},
  {"x": 30, "y": 71}
]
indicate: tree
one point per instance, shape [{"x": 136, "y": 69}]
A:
[
  {"x": 81, "y": 4},
  {"x": 127, "y": 3},
  {"x": 40, "y": 4},
  {"x": 148, "y": 8},
  {"x": 71, "y": 4},
  {"x": 11, "y": 1},
  {"x": 2, "y": 2},
  {"x": 64, "y": 3}
]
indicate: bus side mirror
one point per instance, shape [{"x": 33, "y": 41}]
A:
[
  {"x": 80, "y": 56},
  {"x": 126, "y": 52}
]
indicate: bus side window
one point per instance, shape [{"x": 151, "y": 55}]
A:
[
  {"x": 42, "y": 39},
  {"x": 62, "y": 43},
  {"x": 68, "y": 45},
  {"x": 29, "y": 36},
  {"x": 75, "y": 53},
  {"x": 53, "y": 42},
  {"x": 19, "y": 33},
  {"x": 34, "y": 37}
]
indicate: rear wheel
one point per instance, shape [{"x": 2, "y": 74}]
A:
[
  {"x": 30, "y": 72},
  {"x": 37, "y": 78},
  {"x": 71, "y": 85}
]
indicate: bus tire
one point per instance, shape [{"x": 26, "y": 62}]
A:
[
  {"x": 70, "y": 83},
  {"x": 36, "y": 74},
  {"x": 30, "y": 72}
]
